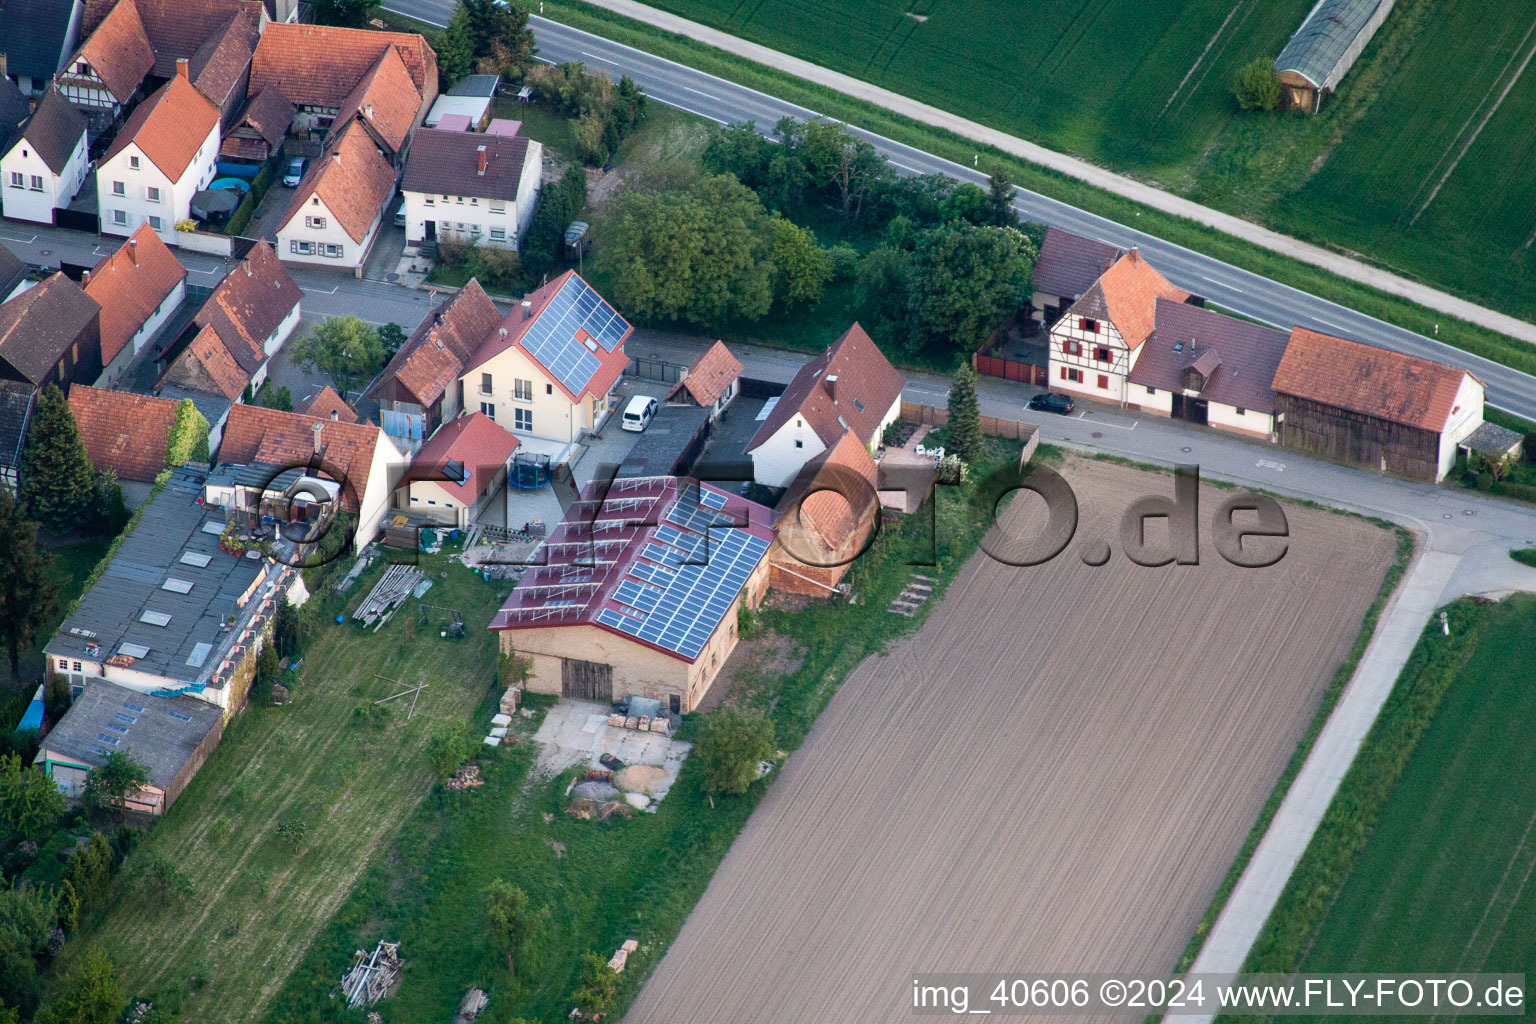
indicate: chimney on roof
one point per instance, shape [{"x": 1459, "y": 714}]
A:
[
  {"x": 182, "y": 69},
  {"x": 335, "y": 415},
  {"x": 480, "y": 161},
  {"x": 1135, "y": 254},
  {"x": 85, "y": 278},
  {"x": 368, "y": 111},
  {"x": 133, "y": 250},
  {"x": 2, "y": 65},
  {"x": 527, "y": 309},
  {"x": 318, "y": 428},
  {"x": 503, "y": 331},
  {"x": 831, "y": 383}
]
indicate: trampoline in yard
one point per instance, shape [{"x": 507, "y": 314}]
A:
[{"x": 530, "y": 471}]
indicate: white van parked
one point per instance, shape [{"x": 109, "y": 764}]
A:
[{"x": 638, "y": 413}]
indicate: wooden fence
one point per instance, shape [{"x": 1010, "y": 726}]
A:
[
  {"x": 1010, "y": 369},
  {"x": 992, "y": 426}
]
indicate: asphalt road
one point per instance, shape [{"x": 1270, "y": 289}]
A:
[{"x": 1249, "y": 294}]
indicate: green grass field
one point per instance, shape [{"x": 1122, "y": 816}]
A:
[
  {"x": 1123, "y": 82},
  {"x": 1145, "y": 89},
  {"x": 1441, "y": 884}
]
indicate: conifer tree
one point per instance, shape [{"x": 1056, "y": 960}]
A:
[
  {"x": 58, "y": 486},
  {"x": 962, "y": 434}
]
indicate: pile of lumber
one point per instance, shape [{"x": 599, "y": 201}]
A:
[
  {"x": 644, "y": 723},
  {"x": 387, "y": 595},
  {"x": 372, "y": 975},
  {"x": 465, "y": 778}
]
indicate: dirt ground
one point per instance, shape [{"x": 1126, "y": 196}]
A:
[{"x": 1053, "y": 775}]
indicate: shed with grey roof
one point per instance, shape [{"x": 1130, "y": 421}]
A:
[
  {"x": 173, "y": 612},
  {"x": 1322, "y": 51},
  {"x": 170, "y": 736}
]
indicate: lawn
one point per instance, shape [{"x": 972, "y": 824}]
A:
[
  {"x": 259, "y": 902},
  {"x": 1440, "y": 883},
  {"x": 601, "y": 883}
]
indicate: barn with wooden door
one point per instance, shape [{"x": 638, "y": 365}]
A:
[{"x": 639, "y": 591}]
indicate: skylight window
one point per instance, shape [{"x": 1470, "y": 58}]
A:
[
  {"x": 155, "y": 618},
  {"x": 176, "y": 586},
  {"x": 134, "y": 650},
  {"x": 181, "y": 717},
  {"x": 196, "y": 558}
]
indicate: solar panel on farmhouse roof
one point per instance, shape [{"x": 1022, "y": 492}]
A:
[{"x": 697, "y": 596}]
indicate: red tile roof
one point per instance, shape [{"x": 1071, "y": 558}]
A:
[
  {"x": 327, "y": 404},
  {"x": 850, "y": 386},
  {"x": 353, "y": 179},
  {"x": 1125, "y": 296},
  {"x": 385, "y": 97},
  {"x": 709, "y": 376},
  {"x": 287, "y": 439},
  {"x": 249, "y": 304},
  {"x": 268, "y": 114},
  {"x": 123, "y": 432},
  {"x": 1369, "y": 380},
  {"x": 469, "y": 451},
  {"x": 169, "y": 127},
  {"x": 432, "y": 359},
  {"x": 131, "y": 284},
  {"x": 118, "y": 50},
  {"x": 219, "y": 64},
  {"x": 830, "y": 494},
  {"x": 516, "y": 324},
  {"x": 207, "y": 365},
  {"x": 319, "y": 65}
]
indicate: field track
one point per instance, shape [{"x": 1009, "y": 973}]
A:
[{"x": 1053, "y": 775}]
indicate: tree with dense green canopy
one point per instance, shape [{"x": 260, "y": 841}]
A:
[
  {"x": 488, "y": 37},
  {"x": 109, "y": 786},
  {"x": 29, "y": 594},
  {"x": 1000, "y": 211},
  {"x": 26, "y": 920},
  {"x": 801, "y": 267},
  {"x": 30, "y": 802},
  {"x": 557, "y": 205},
  {"x": 598, "y": 986},
  {"x": 450, "y": 749},
  {"x": 880, "y": 287},
  {"x": 90, "y": 994},
  {"x": 702, "y": 254},
  {"x": 966, "y": 280},
  {"x": 962, "y": 434},
  {"x": 1256, "y": 85},
  {"x": 730, "y": 747},
  {"x": 58, "y": 485},
  {"x": 509, "y": 919},
  {"x": 345, "y": 348},
  {"x": 188, "y": 435},
  {"x": 346, "y": 13}
]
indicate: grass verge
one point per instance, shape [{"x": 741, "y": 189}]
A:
[
  {"x": 1439, "y": 786},
  {"x": 1341, "y": 677},
  {"x": 1525, "y": 556},
  {"x": 1401, "y": 312}
]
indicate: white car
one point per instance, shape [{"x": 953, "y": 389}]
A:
[{"x": 638, "y": 413}]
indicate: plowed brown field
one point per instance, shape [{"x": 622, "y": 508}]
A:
[{"x": 1053, "y": 775}]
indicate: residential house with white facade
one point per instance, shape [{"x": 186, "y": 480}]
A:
[
  {"x": 1095, "y": 342},
  {"x": 711, "y": 381},
  {"x": 548, "y": 369},
  {"x": 105, "y": 75},
  {"x": 473, "y": 187},
  {"x": 46, "y": 165},
  {"x": 850, "y": 386},
  {"x": 337, "y": 211},
  {"x": 139, "y": 287},
  {"x": 165, "y": 154},
  {"x": 456, "y": 474}
]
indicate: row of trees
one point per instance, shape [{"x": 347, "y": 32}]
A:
[
  {"x": 604, "y": 114},
  {"x": 485, "y": 37}
]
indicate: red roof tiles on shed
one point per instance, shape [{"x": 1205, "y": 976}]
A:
[{"x": 709, "y": 375}]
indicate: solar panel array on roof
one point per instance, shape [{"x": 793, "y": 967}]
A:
[
  {"x": 696, "y": 596},
  {"x": 556, "y": 338}
]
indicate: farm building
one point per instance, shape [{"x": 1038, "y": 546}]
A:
[
  {"x": 1358, "y": 403},
  {"x": 170, "y": 736},
  {"x": 710, "y": 382},
  {"x": 174, "y": 613},
  {"x": 456, "y": 473},
  {"x": 1322, "y": 51},
  {"x": 1097, "y": 340},
  {"x": 850, "y": 386},
  {"x": 1067, "y": 267},
  {"x": 1206, "y": 368},
  {"x": 644, "y": 584},
  {"x": 824, "y": 519}
]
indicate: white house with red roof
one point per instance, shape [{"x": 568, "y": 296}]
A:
[
  {"x": 164, "y": 156},
  {"x": 850, "y": 386},
  {"x": 638, "y": 592},
  {"x": 548, "y": 369},
  {"x": 459, "y": 469},
  {"x": 711, "y": 382}
]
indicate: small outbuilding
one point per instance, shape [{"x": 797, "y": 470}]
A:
[{"x": 1323, "y": 50}]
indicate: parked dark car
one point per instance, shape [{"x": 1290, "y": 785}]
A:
[
  {"x": 1049, "y": 402},
  {"x": 610, "y": 762}
]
